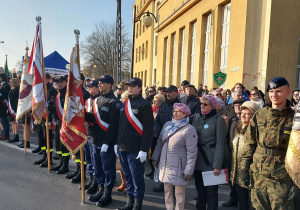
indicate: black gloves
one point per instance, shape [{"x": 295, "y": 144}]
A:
[{"x": 245, "y": 177}]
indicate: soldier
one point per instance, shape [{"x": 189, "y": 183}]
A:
[
  {"x": 63, "y": 153},
  {"x": 266, "y": 143},
  {"x": 104, "y": 137},
  {"x": 136, "y": 128}
]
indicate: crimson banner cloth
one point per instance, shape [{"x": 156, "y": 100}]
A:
[{"x": 73, "y": 130}]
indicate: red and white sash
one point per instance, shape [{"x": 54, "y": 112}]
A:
[
  {"x": 136, "y": 124},
  {"x": 89, "y": 105},
  {"x": 100, "y": 122},
  {"x": 5, "y": 102},
  {"x": 59, "y": 109},
  {"x": 11, "y": 111}
]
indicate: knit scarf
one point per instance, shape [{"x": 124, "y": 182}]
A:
[{"x": 173, "y": 126}]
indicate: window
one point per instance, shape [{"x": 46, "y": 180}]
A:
[
  {"x": 137, "y": 54},
  {"x": 140, "y": 53},
  {"x": 193, "y": 47},
  {"x": 181, "y": 54},
  {"x": 139, "y": 74},
  {"x": 206, "y": 49},
  {"x": 173, "y": 38},
  {"x": 143, "y": 28},
  {"x": 135, "y": 74},
  {"x": 225, "y": 38},
  {"x": 165, "y": 61},
  {"x": 143, "y": 51},
  {"x": 155, "y": 50},
  {"x": 142, "y": 76},
  {"x": 137, "y": 30},
  {"x": 145, "y": 83},
  {"x": 154, "y": 76},
  {"x": 140, "y": 27},
  {"x": 146, "y": 51}
]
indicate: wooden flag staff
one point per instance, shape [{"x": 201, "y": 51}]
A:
[{"x": 77, "y": 33}]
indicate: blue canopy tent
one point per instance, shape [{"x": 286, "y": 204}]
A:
[{"x": 55, "y": 64}]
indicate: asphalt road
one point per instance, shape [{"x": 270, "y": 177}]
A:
[{"x": 24, "y": 185}]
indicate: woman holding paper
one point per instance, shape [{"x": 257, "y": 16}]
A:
[
  {"x": 211, "y": 130},
  {"x": 175, "y": 155}
]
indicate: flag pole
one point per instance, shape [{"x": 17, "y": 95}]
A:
[
  {"x": 38, "y": 19},
  {"x": 77, "y": 33},
  {"x": 25, "y": 134}
]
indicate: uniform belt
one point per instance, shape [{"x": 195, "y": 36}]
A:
[{"x": 270, "y": 152}]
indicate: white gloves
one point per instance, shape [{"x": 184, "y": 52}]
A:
[
  {"x": 116, "y": 148},
  {"x": 104, "y": 148},
  {"x": 143, "y": 156},
  {"x": 35, "y": 122}
]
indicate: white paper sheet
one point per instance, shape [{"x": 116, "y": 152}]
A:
[{"x": 210, "y": 179}]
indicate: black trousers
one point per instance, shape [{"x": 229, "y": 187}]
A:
[
  {"x": 60, "y": 148},
  {"x": 243, "y": 195},
  {"x": 39, "y": 131},
  {"x": 207, "y": 196},
  {"x": 44, "y": 139}
]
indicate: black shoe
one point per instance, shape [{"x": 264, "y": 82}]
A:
[
  {"x": 27, "y": 145},
  {"x": 90, "y": 182},
  {"x": 59, "y": 165},
  {"x": 40, "y": 152},
  {"x": 137, "y": 204},
  {"x": 150, "y": 174},
  {"x": 98, "y": 195},
  {"x": 160, "y": 188},
  {"x": 37, "y": 162},
  {"x": 77, "y": 178},
  {"x": 93, "y": 188},
  {"x": 105, "y": 199},
  {"x": 13, "y": 138},
  {"x": 45, "y": 163},
  {"x": 129, "y": 204},
  {"x": 65, "y": 167},
  {"x": 21, "y": 143},
  {"x": 74, "y": 173},
  {"x": 36, "y": 150},
  {"x": 230, "y": 203},
  {"x": 55, "y": 157}
]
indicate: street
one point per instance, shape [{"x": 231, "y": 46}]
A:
[{"x": 28, "y": 186}]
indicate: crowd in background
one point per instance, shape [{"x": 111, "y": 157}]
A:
[{"x": 195, "y": 130}]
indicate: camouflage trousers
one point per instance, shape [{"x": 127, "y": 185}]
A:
[{"x": 270, "y": 194}]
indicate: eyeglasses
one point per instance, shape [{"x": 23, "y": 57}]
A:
[
  {"x": 119, "y": 89},
  {"x": 218, "y": 94},
  {"x": 204, "y": 104},
  {"x": 296, "y": 94}
]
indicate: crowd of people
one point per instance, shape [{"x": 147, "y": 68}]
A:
[{"x": 182, "y": 132}]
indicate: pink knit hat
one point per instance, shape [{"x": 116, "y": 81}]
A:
[
  {"x": 213, "y": 102},
  {"x": 182, "y": 107}
]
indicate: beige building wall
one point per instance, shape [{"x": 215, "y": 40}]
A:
[{"x": 262, "y": 41}]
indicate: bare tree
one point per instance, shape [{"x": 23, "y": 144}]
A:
[{"x": 99, "y": 49}]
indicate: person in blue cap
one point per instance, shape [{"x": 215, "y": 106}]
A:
[
  {"x": 136, "y": 128},
  {"x": 105, "y": 121},
  {"x": 266, "y": 143}
]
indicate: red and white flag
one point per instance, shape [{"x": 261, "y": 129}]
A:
[
  {"x": 73, "y": 130},
  {"x": 25, "y": 94},
  {"x": 38, "y": 92}
]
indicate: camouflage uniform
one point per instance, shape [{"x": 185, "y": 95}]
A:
[{"x": 266, "y": 143}]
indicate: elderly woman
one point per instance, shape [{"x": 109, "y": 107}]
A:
[
  {"x": 175, "y": 154},
  {"x": 157, "y": 101},
  {"x": 248, "y": 109},
  {"x": 211, "y": 130}
]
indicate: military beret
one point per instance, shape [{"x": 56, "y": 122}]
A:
[{"x": 277, "y": 82}]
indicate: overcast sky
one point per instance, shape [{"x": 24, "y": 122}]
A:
[{"x": 59, "y": 19}]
